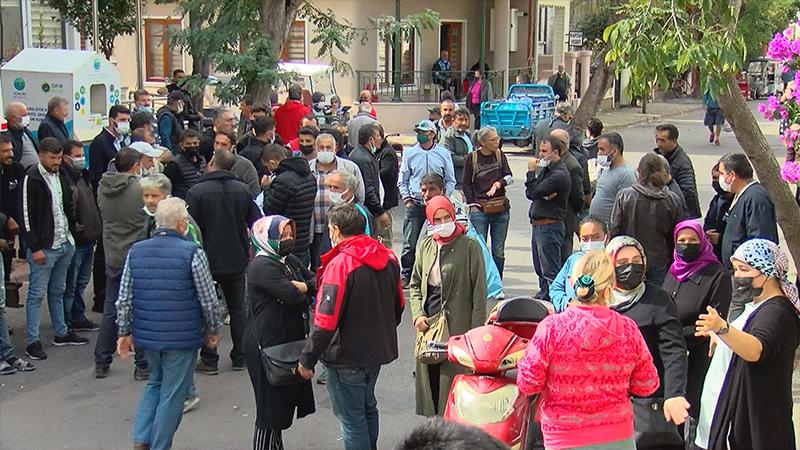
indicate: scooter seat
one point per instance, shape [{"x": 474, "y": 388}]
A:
[{"x": 521, "y": 309}]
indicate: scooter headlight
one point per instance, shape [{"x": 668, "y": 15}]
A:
[
  {"x": 463, "y": 357},
  {"x": 482, "y": 409},
  {"x": 510, "y": 361}
]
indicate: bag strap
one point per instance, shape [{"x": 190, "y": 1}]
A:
[{"x": 474, "y": 164}]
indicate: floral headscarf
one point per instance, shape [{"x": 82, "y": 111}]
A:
[
  {"x": 766, "y": 257},
  {"x": 266, "y": 235},
  {"x": 622, "y": 300}
]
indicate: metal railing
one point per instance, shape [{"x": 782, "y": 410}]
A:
[{"x": 421, "y": 86}]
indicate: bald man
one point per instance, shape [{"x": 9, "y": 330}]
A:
[
  {"x": 25, "y": 145},
  {"x": 576, "y": 204}
]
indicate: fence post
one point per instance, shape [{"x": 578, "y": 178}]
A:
[{"x": 397, "y": 50}]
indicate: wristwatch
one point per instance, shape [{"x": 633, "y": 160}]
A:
[{"x": 724, "y": 330}]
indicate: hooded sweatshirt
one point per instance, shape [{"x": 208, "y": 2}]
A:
[
  {"x": 119, "y": 197},
  {"x": 648, "y": 214},
  {"x": 585, "y": 363},
  {"x": 359, "y": 306}
]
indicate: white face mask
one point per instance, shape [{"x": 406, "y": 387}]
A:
[
  {"x": 593, "y": 245},
  {"x": 336, "y": 197},
  {"x": 24, "y": 121},
  {"x": 543, "y": 163},
  {"x": 326, "y": 157},
  {"x": 604, "y": 160},
  {"x": 123, "y": 128},
  {"x": 445, "y": 230},
  {"x": 79, "y": 163},
  {"x": 725, "y": 185}
]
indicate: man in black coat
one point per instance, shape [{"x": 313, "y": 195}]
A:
[
  {"x": 224, "y": 210},
  {"x": 26, "y": 148},
  {"x": 52, "y": 124},
  {"x": 369, "y": 139},
  {"x": 224, "y": 122},
  {"x": 751, "y": 215},
  {"x": 105, "y": 145},
  {"x": 680, "y": 166},
  {"x": 11, "y": 174},
  {"x": 291, "y": 194},
  {"x": 576, "y": 203}
]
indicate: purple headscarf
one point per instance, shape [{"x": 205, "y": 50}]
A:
[{"x": 681, "y": 269}]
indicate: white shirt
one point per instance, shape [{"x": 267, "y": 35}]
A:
[
  {"x": 61, "y": 232},
  {"x": 715, "y": 377}
]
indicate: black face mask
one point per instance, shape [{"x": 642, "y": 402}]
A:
[
  {"x": 190, "y": 151},
  {"x": 306, "y": 149},
  {"x": 743, "y": 288},
  {"x": 688, "y": 252},
  {"x": 285, "y": 247},
  {"x": 629, "y": 276},
  {"x": 717, "y": 188}
]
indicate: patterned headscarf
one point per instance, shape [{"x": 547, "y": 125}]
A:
[
  {"x": 266, "y": 235},
  {"x": 766, "y": 257},
  {"x": 622, "y": 300}
]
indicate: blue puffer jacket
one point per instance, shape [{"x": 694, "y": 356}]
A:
[{"x": 166, "y": 310}]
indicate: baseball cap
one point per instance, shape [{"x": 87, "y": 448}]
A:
[
  {"x": 145, "y": 149},
  {"x": 425, "y": 125}
]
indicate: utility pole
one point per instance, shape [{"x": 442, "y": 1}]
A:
[
  {"x": 139, "y": 46},
  {"x": 397, "y": 51},
  {"x": 482, "y": 59},
  {"x": 95, "y": 27}
]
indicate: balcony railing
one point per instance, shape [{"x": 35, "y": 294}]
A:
[{"x": 419, "y": 85}]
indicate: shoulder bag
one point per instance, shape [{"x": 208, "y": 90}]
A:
[
  {"x": 438, "y": 331},
  {"x": 493, "y": 205},
  {"x": 280, "y": 361},
  {"x": 650, "y": 430}
]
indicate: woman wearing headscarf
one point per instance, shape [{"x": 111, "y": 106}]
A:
[
  {"x": 747, "y": 395},
  {"x": 696, "y": 280},
  {"x": 448, "y": 275},
  {"x": 657, "y": 318},
  {"x": 279, "y": 292}
]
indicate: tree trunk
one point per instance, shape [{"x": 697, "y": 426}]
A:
[
  {"x": 275, "y": 21},
  {"x": 200, "y": 63},
  {"x": 751, "y": 139},
  {"x": 593, "y": 97}
]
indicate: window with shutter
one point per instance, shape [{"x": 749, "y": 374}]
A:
[
  {"x": 47, "y": 29},
  {"x": 294, "y": 49},
  {"x": 160, "y": 58},
  {"x": 407, "y": 59}
]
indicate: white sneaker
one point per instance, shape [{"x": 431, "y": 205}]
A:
[
  {"x": 227, "y": 320},
  {"x": 190, "y": 403}
]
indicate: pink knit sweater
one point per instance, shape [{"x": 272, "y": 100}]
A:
[{"x": 585, "y": 362}]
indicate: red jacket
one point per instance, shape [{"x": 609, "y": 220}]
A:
[
  {"x": 585, "y": 363},
  {"x": 288, "y": 119},
  {"x": 359, "y": 306}
]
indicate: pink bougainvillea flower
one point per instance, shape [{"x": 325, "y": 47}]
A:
[{"x": 790, "y": 172}]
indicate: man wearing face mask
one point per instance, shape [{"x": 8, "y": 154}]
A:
[
  {"x": 714, "y": 221},
  {"x": 304, "y": 149},
  {"x": 260, "y": 112},
  {"x": 419, "y": 160},
  {"x": 52, "y": 124},
  {"x": 752, "y": 213},
  {"x": 593, "y": 234},
  {"x": 547, "y": 186},
  {"x": 369, "y": 139},
  {"x": 105, "y": 145},
  {"x": 615, "y": 175},
  {"x": 142, "y": 101},
  {"x": 324, "y": 165},
  {"x": 88, "y": 230},
  {"x": 263, "y": 135},
  {"x": 224, "y": 211},
  {"x": 186, "y": 168},
  {"x": 170, "y": 126},
  {"x": 25, "y": 146}
]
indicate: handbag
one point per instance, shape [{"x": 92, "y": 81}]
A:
[
  {"x": 494, "y": 205},
  {"x": 438, "y": 331},
  {"x": 650, "y": 430},
  {"x": 280, "y": 361}
]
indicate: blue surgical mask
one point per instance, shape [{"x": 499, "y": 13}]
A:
[{"x": 593, "y": 245}]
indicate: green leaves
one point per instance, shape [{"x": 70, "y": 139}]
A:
[{"x": 116, "y": 18}]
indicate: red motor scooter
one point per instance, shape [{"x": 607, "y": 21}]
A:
[{"x": 488, "y": 397}]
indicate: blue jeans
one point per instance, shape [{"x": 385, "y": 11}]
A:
[
  {"x": 352, "y": 392},
  {"x": 497, "y": 226},
  {"x": 413, "y": 220},
  {"x": 546, "y": 243},
  {"x": 49, "y": 278},
  {"x": 78, "y": 275},
  {"x": 161, "y": 407}
]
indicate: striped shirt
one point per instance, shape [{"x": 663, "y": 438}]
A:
[
  {"x": 61, "y": 234},
  {"x": 322, "y": 201}
]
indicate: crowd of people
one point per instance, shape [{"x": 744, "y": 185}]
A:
[{"x": 280, "y": 224}]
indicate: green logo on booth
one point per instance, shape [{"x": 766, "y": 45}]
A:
[{"x": 19, "y": 84}]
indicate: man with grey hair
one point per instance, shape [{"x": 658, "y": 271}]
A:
[
  {"x": 170, "y": 340},
  {"x": 362, "y": 117},
  {"x": 53, "y": 124},
  {"x": 224, "y": 122},
  {"x": 559, "y": 121},
  {"x": 26, "y": 148},
  {"x": 561, "y": 84}
]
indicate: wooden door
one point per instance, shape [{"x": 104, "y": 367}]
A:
[{"x": 452, "y": 42}]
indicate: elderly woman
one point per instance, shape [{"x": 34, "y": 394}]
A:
[
  {"x": 696, "y": 280},
  {"x": 448, "y": 275},
  {"x": 486, "y": 175},
  {"x": 657, "y": 318},
  {"x": 648, "y": 211},
  {"x": 747, "y": 394},
  {"x": 585, "y": 363},
  {"x": 279, "y": 291}
]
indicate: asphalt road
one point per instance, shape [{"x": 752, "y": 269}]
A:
[{"x": 61, "y": 406}]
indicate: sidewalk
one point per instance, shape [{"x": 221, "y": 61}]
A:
[{"x": 614, "y": 119}]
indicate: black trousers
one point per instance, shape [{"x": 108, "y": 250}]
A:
[
  {"x": 99, "y": 277},
  {"x": 106, "y": 344},
  {"x": 233, "y": 289}
]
